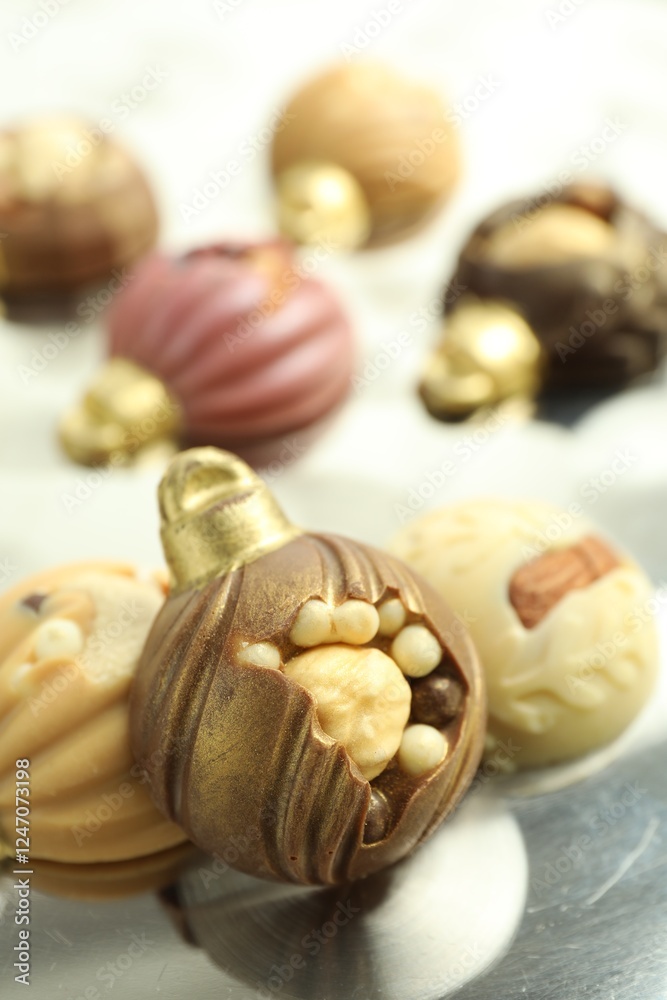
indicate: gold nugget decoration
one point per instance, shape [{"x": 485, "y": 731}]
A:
[
  {"x": 362, "y": 156},
  {"x": 301, "y": 695},
  {"x": 557, "y": 294},
  {"x": 70, "y": 640},
  {"x": 488, "y": 355}
]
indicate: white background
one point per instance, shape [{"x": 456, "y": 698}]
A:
[{"x": 229, "y": 66}]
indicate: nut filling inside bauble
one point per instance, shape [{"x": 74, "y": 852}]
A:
[{"x": 301, "y": 694}]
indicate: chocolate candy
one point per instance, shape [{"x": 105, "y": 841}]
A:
[
  {"x": 74, "y": 206},
  {"x": 272, "y": 706},
  {"x": 70, "y": 639},
  {"x": 556, "y": 613},
  {"x": 230, "y": 344},
  {"x": 362, "y": 155},
  {"x": 104, "y": 881},
  {"x": 586, "y": 272}
]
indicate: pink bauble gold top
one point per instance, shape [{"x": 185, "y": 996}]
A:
[{"x": 250, "y": 346}]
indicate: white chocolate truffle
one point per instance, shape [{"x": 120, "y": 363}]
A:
[
  {"x": 363, "y": 700},
  {"x": 70, "y": 641},
  {"x": 422, "y": 748},
  {"x": 580, "y": 671}
]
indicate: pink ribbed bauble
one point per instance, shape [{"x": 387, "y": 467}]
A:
[{"x": 250, "y": 346}]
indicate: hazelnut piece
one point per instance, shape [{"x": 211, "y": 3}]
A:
[{"x": 362, "y": 700}]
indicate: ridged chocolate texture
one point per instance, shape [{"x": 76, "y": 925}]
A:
[
  {"x": 113, "y": 879},
  {"x": 242, "y": 761},
  {"x": 249, "y": 346},
  {"x": 588, "y": 344},
  {"x": 72, "y": 211},
  {"x": 70, "y": 640}
]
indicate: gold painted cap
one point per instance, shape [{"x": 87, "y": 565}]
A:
[{"x": 217, "y": 515}]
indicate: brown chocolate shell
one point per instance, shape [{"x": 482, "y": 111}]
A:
[
  {"x": 602, "y": 319},
  {"x": 235, "y": 752}
]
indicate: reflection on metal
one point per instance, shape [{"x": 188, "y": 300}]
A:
[
  {"x": 596, "y": 920},
  {"x": 582, "y": 915},
  {"x": 414, "y": 932}
]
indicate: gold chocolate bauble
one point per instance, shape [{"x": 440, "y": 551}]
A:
[
  {"x": 322, "y": 202},
  {"x": 392, "y": 136},
  {"x": 488, "y": 354},
  {"x": 301, "y": 695}
]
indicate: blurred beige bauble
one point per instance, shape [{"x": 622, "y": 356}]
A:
[
  {"x": 560, "y": 619},
  {"x": 394, "y": 137}
]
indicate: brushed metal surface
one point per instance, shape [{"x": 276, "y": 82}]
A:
[
  {"x": 595, "y": 924},
  {"x": 551, "y": 896},
  {"x": 416, "y": 931}
]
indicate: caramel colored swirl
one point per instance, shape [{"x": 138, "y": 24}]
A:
[{"x": 70, "y": 639}]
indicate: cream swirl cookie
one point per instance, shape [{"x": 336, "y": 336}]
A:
[{"x": 70, "y": 640}]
